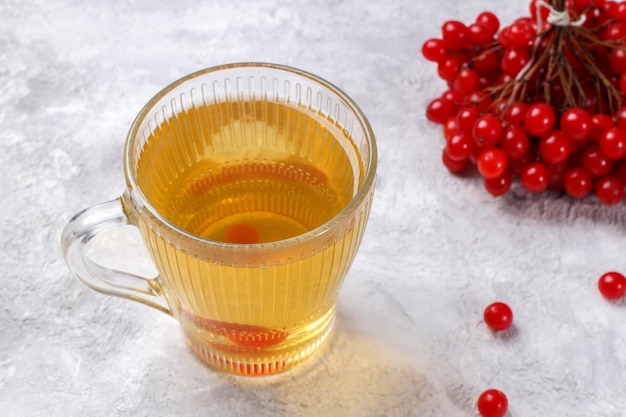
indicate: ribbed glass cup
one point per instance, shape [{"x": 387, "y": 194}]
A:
[{"x": 251, "y": 185}]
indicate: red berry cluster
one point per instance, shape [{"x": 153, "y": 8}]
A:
[{"x": 536, "y": 101}]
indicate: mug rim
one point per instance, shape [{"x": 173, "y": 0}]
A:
[{"x": 137, "y": 196}]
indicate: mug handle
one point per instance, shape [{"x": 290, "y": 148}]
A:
[{"x": 83, "y": 227}]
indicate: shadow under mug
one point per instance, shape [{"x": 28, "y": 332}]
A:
[{"x": 251, "y": 185}]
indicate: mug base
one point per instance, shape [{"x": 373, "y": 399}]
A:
[{"x": 264, "y": 363}]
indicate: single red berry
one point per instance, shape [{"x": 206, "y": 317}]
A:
[
  {"x": 612, "y": 285},
  {"x": 576, "y": 123},
  {"x": 487, "y": 130},
  {"x": 535, "y": 177},
  {"x": 481, "y": 99},
  {"x": 604, "y": 11},
  {"x": 448, "y": 68},
  {"x": 491, "y": 162},
  {"x": 453, "y": 97},
  {"x": 514, "y": 114},
  {"x": 460, "y": 147},
  {"x": 613, "y": 143},
  {"x": 595, "y": 161},
  {"x": 620, "y": 11},
  {"x": 480, "y": 34},
  {"x": 455, "y": 34},
  {"x": 499, "y": 186},
  {"x": 555, "y": 147},
  {"x": 515, "y": 142},
  {"x": 599, "y": 124},
  {"x": 539, "y": 119},
  {"x": 521, "y": 34},
  {"x": 434, "y": 50},
  {"x": 498, "y": 316},
  {"x": 466, "y": 81},
  {"x": 617, "y": 61},
  {"x": 609, "y": 190},
  {"x": 439, "y": 110},
  {"x": 452, "y": 165},
  {"x": 504, "y": 37},
  {"x": 490, "y": 20},
  {"x": 492, "y": 403},
  {"x": 615, "y": 32},
  {"x": 465, "y": 119},
  {"x": 513, "y": 60},
  {"x": 486, "y": 64},
  {"x": 578, "y": 182}
]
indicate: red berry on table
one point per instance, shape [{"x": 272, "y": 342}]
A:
[
  {"x": 492, "y": 403},
  {"x": 612, "y": 285},
  {"x": 492, "y": 162},
  {"x": 535, "y": 177},
  {"x": 539, "y": 119},
  {"x": 498, "y": 316}
]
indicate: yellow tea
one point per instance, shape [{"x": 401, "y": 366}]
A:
[
  {"x": 251, "y": 185},
  {"x": 251, "y": 172}
]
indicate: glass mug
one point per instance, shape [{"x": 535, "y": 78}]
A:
[{"x": 251, "y": 185}]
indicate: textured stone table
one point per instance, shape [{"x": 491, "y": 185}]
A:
[{"x": 410, "y": 339}]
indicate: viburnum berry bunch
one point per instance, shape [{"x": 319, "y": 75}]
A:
[{"x": 541, "y": 100}]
